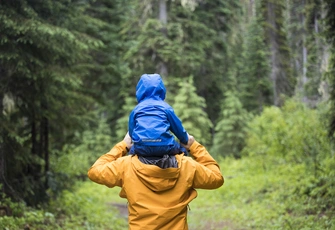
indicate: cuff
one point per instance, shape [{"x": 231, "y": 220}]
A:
[
  {"x": 124, "y": 147},
  {"x": 194, "y": 145}
]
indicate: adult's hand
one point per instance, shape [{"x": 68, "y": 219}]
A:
[
  {"x": 128, "y": 141},
  {"x": 190, "y": 142}
]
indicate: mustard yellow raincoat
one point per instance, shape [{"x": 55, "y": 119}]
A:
[{"x": 157, "y": 198}]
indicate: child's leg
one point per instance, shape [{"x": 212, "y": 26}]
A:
[
  {"x": 157, "y": 151},
  {"x": 150, "y": 151},
  {"x": 139, "y": 150},
  {"x": 132, "y": 150},
  {"x": 177, "y": 148}
]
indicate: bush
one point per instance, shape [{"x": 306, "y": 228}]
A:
[
  {"x": 291, "y": 134},
  {"x": 296, "y": 136}
]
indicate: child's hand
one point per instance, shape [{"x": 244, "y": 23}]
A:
[
  {"x": 189, "y": 143},
  {"x": 128, "y": 141}
]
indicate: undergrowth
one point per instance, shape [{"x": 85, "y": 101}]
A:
[
  {"x": 88, "y": 206},
  {"x": 256, "y": 197}
]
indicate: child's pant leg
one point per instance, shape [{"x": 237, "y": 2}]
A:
[{"x": 176, "y": 148}]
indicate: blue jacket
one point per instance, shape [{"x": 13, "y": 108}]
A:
[{"x": 152, "y": 119}]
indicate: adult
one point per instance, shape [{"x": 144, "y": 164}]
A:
[{"x": 158, "y": 190}]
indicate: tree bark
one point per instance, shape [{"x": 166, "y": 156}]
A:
[
  {"x": 271, "y": 17},
  {"x": 163, "y": 18},
  {"x": 44, "y": 141},
  {"x": 281, "y": 72},
  {"x": 2, "y": 152},
  {"x": 162, "y": 12},
  {"x": 46, "y": 150}
]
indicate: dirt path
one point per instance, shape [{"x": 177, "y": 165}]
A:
[{"x": 122, "y": 208}]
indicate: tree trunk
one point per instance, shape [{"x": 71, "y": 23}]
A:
[
  {"x": 252, "y": 8},
  {"x": 304, "y": 57},
  {"x": 162, "y": 67},
  {"x": 32, "y": 167},
  {"x": 271, "y": 17},
  {"x": 281, "y": 72},
  {"x": 2, "y": 152},
  {"x": 162, "y": 12},
  {"x": 44, "y": 142},
  {"x": 46, "y": 150}
]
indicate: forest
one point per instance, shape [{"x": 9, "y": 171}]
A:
[{"x": 251, "y": 80}]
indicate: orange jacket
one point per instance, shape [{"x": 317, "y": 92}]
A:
[{"x": 157, "y": 198}]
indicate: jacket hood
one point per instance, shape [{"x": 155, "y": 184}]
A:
[
  {"x": 154, "y": 177},
  {"x": 150, "y": 86}
]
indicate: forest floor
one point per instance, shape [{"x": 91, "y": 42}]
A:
[{"x": 122, "y": 208}]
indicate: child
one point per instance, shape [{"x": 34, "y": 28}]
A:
[{"x": 152, "y": 120}]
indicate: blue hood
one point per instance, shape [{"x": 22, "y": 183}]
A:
[{"x": 150, "y": 86}]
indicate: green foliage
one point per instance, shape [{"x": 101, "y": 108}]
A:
[
  {"x": 86, "y": 207},
  {"x": 77, "y": 158},
  {"x": 122, "y": 122},
  {"x": 295, "y": 136},
  {"x": 230, "y": 132},
  {"x": 293, "y": 133},
  {"x": 83, "y": 208},
  {"x": 106, "y": 78},
  {"x": 285, "y": 180},
  {"x": 189, "y": 107},
  {"x": 256, "y": 87},
  {"x": 59, "y": 63},
  {"x": 254, "y": 197},
  {"x": 42, "y": 63}
]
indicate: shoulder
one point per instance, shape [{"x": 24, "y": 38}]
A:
[
  {"x": 124, "y": 161},
  {"x": 139, "y": 107},
  {"x": 186, "y": 161},
  {"x": 166, "y": 106}
]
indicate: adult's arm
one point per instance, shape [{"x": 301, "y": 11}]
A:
[
  {"x": 207, "y": 172},
  {"x": 107, "y": 170}
]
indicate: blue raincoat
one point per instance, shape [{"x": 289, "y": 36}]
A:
[{"x": 152, "y": 119}]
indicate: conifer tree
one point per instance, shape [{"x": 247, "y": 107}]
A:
[
  {"x": 255, "y": 89},
  {"x": 190, "y": 108},
  {"x": 122, "y": 122},
  {"x": 41, "y": 50},
  {"x": 105, "y": 79},
  {"x": 308, "y": 47},
  {"x": 230, "y": 132},
  {"x": 283, "y": 81},
  {"x": 330, "y": 34}
]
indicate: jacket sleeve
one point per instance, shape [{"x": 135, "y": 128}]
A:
[
  {"x": 108, "y": 169},
  {"x": 207, "y": 172},
  {"x": 131, "y": 123},
  {"x": 176, "y": 126}
]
